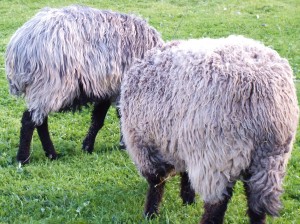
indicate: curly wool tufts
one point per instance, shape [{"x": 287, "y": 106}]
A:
[{"x": 216, "y": 108}]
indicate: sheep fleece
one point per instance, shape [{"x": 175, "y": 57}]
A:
[
  {"x": 59, "y": 51},
  {"x": 213, "y": 107}
]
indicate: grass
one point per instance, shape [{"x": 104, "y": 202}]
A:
[{"x": 105, "y": 187}]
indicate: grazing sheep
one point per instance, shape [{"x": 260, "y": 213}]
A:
[
  {"x": 64, "y": 58},
  {"x": 221, "y": 109}
]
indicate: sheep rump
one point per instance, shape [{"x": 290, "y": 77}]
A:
[
  {"x": 222, "y": 109},
  {"x": 60, "y": 53}
]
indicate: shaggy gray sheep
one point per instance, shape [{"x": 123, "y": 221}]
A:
[
  {"x": 64, "y": 58},
  {"x": 221, "y": 109}
]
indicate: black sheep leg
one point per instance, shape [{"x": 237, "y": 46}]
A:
[
  {"x": 27, "y": 128},
  {"x": 44, "y": 135},
  {"x": 154, "y": 196},
  {"x": 187, "y": 193},
  {"x": 98, "y": 116},
  {"x": 156, "y": 189},
  {"x": 255, "y": 218},
  {"x": 214, "y": 213},
  {"x": 121, "y": 143}
]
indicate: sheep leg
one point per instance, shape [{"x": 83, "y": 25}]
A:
[
  {"x": 255, "y": 218},
  {"x": 214, "y": 213},
  {"x": 44, "y": 135},
  {"x": 155, "y": 193},
  {"x": 98, "y": 116},
  {"x": 26, "y": 133},
  {"x": 121, "y": 143},
  {"x": 187, "y": 193},
  {"x": 154, "y": 196}
]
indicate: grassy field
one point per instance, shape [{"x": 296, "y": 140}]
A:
[{"x": 105, "y": 187}]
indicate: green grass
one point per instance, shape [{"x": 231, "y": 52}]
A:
[{"x": 105, "y": 187}]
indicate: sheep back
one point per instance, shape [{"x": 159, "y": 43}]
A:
[
  {"x": 213, "y": 107},
  {"x": 60, "y": 53}
]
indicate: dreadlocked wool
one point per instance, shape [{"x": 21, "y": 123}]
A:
[{"x": 61, "y": 54}]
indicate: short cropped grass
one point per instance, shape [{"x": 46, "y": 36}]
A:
[{"x": 105, "y": 187}]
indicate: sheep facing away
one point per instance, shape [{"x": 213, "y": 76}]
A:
[
  {"x": 69, "y": 57},
  {"x": 221, "y": 109}
]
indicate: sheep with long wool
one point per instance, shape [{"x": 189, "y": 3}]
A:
[
  {"x": 220, "y": 109},
  {"x": 65, "y": 58}
]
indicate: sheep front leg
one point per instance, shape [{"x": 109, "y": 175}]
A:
[
  {"x": 44, "y": 135},
  {"x": 214, "y": 213},
  {"x": 187, "y": 193},
  {"x": 98, "y": 116},
  {"x": 27, "y": 128},
  {"x": 155, "y": 193}
]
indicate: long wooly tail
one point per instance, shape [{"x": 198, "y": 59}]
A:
[{"x": 267, "y": 171}]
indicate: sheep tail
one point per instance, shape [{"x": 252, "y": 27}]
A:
[{"x": 265, "y": 177}]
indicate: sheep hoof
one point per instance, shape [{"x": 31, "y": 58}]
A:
[
  {"x": 122, "y": 146},
  {"x": 150, "y": 215},
  {"x": 53, "y": 156},
  {"x": 185, "y": 203},
  {"x": 87, "y": 149},
  {"x": 87, "y": 146},
  {"x": 188, "y": 197},
  {"x": 21, "y": 159}
]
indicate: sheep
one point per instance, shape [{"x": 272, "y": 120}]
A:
[
  {"x": 221, "y": 110},
  {"x": 62, "y": 59}
]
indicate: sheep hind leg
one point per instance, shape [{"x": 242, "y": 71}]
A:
[
  {"x": 155, "y": 193},
  {"x": 214, "y": 213},
  {"x": 26, "y": 133},
  {"x": 187, "y": 193},
  {"x": 43, "y": 132},
  {"x": 98, "y": 116},
  {"x": 121, "y": 142},
  {"x": 255, "y": 217}
]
